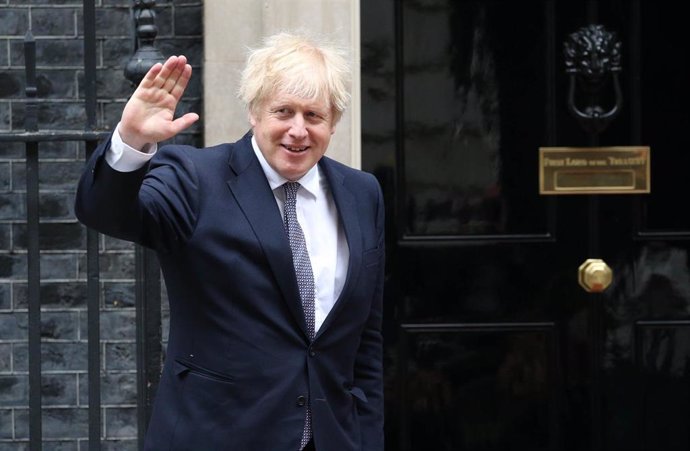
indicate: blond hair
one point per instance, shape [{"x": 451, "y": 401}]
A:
[{"x": 298, "y": 65}]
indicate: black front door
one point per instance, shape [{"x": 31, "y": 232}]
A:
[{"x": 491, "y": 343}]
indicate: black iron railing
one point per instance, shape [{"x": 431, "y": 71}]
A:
[{"x": 147, "y": 272}]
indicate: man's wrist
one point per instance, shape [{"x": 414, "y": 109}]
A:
[
  {"x": 132, "y": 141},
  {"x": 124, "y": 158}
]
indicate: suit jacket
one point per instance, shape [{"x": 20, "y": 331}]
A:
[{"x": 240, "y": 368}]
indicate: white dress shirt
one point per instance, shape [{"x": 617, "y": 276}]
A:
[{"x": 316, "y": 213}]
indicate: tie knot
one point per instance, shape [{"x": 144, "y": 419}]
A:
[{"x": 291, "y": 189}]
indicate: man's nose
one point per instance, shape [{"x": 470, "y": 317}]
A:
[{"x": 298, "y": 129}]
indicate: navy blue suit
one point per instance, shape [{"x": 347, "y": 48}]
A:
[{"x": 239, "y": 366}]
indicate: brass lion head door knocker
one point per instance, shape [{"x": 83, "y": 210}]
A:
[{"x": 592, "y": 59}]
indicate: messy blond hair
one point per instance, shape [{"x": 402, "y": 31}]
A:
[{"x": 298, "y": 65}]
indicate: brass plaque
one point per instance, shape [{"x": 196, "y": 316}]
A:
[{"x": 593, "y": 170}]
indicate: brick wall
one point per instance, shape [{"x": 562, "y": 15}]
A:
[{"x": 58, "y": 30}]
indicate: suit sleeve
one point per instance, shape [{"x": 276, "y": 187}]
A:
[
  {"x": 154, "y": 206},
  {"x": 369, "y": 363}
]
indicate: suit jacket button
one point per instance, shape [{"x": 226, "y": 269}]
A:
[{"x": 301, "y": 401}]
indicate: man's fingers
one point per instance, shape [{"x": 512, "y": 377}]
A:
[
  {"x": 181, "y": 84},
  {"x": 151, "y": 75},
  {"x": 172, "y": 79},
  {"x": 178, "y": 71},
  {"x": 164, "y": 73},
  {"x": 170, "y": 76},
  {"x": 168, "y": 69}
]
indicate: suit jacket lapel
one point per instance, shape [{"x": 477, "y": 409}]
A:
[
  {"x": 254, "y": 196},
  {"x": 347, "y": 212}
]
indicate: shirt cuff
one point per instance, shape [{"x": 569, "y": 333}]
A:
[{"x": 124, "y": 158}]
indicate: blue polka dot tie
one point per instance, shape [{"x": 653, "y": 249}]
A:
[{"x": 304, "y": 273}]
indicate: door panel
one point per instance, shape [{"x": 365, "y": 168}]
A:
[
  {"x": 464, "y": 166},
  {"x": 483, "y": 386},
  {"x": 664, "y": 119},
  {"x": 490, "y": 341}
]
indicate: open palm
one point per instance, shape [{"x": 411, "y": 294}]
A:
[{"x": 149, "y": 115}]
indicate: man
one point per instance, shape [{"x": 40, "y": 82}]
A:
[{"x": 275, "y": 288}]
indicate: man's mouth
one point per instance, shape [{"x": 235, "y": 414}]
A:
[{"x": 295, "y": 149}]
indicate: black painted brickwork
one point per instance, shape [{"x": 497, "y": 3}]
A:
[{"x": 58, "y": 29}]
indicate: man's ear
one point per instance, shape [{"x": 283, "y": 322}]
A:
[
  {"x": 252, "y": 119},
  {"x": 335, "y": 118}
]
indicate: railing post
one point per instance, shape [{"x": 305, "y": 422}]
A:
[
  {"x": 148, "y": 327},
  {"x": 93, "y": 292},
  {"x": 33, "y": 249}
]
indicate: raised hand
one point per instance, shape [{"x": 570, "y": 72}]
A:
[{"x": 148, "y": 116}]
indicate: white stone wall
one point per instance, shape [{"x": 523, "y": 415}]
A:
[{"x": 233, "y": 26}]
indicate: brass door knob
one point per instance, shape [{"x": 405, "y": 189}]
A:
[{"x": 595, "y": 275}]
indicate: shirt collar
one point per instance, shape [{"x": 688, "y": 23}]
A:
[{"x": 309, "y": 181}]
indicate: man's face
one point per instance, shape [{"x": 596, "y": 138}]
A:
[{"x": 293, "y": 133}]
